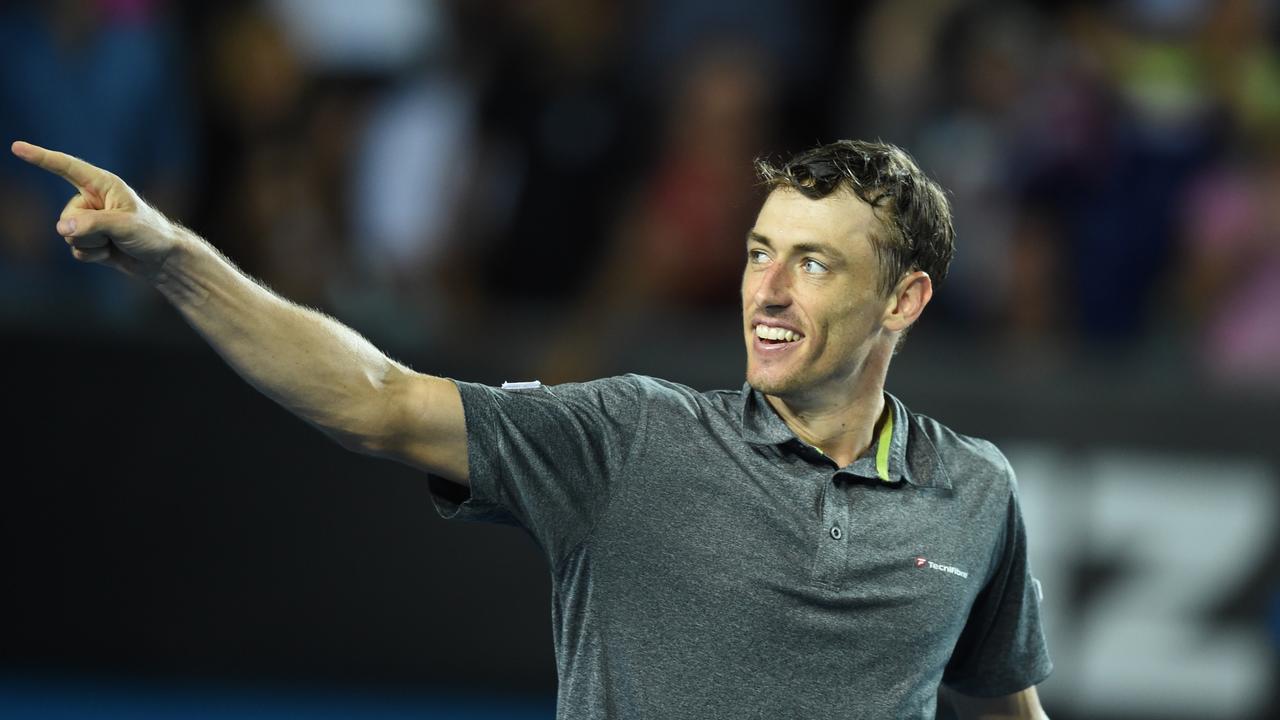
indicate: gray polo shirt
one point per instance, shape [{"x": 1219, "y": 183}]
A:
[{"x": 707, "y": 564}]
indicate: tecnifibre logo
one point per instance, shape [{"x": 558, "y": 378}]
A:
[{"x": 922, "y": 562}]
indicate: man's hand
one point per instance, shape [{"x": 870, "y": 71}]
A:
[{"x": 106, "y": 222}]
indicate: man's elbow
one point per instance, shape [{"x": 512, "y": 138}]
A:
[
  {"x": 357, "y": 443},
  {"x": 367, "y": 423}
]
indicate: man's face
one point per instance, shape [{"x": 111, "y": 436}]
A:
[{"x": 811, "y": 270}]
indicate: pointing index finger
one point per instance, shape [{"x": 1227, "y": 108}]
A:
[{"x": 72, "y": 169}]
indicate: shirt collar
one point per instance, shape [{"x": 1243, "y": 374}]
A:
[{"x": 907, "y": 455}]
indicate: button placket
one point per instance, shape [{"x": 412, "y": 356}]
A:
[{"x": 833, "y": 547}]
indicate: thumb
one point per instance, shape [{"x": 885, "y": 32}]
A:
[{"x": 82, "y": 223}]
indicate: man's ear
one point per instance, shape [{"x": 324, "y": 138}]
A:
[{"x": 907, "y": 301}]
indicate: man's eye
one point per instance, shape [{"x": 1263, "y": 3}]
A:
[
  {"x": 757, "y": 256},
  {"x": 813, "y": 266}
]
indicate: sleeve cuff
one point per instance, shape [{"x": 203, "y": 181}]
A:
[{"x": 480, "y": 501}]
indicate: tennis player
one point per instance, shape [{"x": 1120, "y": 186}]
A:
[{"x": 804, "y": 546}]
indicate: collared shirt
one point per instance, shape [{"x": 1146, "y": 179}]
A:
[{"x": 708, "y": 564}]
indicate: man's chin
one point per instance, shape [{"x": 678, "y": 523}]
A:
[{"x": 771, "y": 384}]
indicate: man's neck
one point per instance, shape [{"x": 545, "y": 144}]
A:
[{"x": 840, "y": 424}]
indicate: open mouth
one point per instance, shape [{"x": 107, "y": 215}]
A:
[{"x": 769, "y": 335}]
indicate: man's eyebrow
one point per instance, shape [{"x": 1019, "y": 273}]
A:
[{"x": 807, "y": 247}]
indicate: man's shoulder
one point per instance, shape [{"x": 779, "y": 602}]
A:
[
  {"x": 658, "y": 395},
  {"x": 963, "y": 457},
  {"x": 678, "y": 396}
]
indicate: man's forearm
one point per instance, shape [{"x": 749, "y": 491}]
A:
[{"x": 313, "y": 365}]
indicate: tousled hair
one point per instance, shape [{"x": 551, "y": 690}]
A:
[{"x": 912, "y": 208}]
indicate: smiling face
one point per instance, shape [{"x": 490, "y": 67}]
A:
[{"x": 811, "y": 308}]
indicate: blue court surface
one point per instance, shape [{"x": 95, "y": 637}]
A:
[{"x": 81, "y": 699}]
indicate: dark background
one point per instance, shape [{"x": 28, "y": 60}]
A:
[{"x": 559, "y": 190}]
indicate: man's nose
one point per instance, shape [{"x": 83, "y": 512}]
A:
[{"x": 774, "y": 289}]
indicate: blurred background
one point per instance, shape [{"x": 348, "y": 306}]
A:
[{"x": 559, "y": 189}]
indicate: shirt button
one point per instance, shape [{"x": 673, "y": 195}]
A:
[{"x": 835, "y": 532}]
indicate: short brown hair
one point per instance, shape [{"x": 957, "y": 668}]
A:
[{"x": 921, "y": 235}]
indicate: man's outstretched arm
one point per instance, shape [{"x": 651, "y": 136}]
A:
[{"x": 316, "y": 367}]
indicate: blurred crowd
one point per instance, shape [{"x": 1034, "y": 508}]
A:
[{"x": 1114, "y": 167}]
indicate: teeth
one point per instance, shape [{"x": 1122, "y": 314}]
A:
[{"x": 775, "y": 333}]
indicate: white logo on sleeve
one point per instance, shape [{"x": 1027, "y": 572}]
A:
[{"x": 924, "y": 563}]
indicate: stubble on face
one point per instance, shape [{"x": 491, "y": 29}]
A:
[{"x": 837, "y": 312}]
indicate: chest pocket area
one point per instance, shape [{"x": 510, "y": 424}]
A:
[{"x": 904, "y": 551}]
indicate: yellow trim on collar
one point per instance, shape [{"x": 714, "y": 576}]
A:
[{"x": 886, "y": 440}]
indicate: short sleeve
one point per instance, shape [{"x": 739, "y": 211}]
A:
[
  {"x": 1002, "y": 647},
  {"x": 544, "y": 458}
]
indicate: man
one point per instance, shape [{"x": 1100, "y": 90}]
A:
[{"x": 803, "y": 547}]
